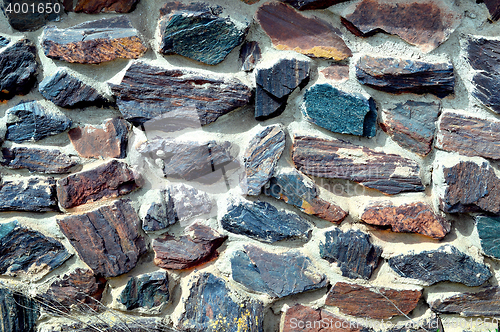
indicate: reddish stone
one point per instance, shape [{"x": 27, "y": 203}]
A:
[
  {"x": 336, "y": 72},
  {"x": 98, "y": 6},
  {"x": 494, "y": 8}
]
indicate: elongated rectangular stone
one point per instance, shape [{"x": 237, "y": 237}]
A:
[
  {"x": 98, "y": 6},
  {"x": 18, "y": 312},
  {"x": 484, "y": 303},
  {"x": 34, "y": 194},
  {"x": 37, "y": 160},
  {"x": 488, "y": 228}
]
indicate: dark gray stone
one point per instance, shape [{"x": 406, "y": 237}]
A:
[
  {"x": 160, "y": 213},
  {"x": 249, "y": 55},
  {"x": 4, "y": 41},
  {"x": 488, "y": 229},
  {"x": 18, "y": 312},
  {"x": 148, "y": 291},
  {"x": 312, "y": 4},
  {"x": 37, "y": 160},
  {"x": 32, "y": 18},
  {"x": 34, "y": 194},
  {"x": 485, "y": 303}
]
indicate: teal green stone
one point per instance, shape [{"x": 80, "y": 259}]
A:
[{"x": 488, "y": 229}]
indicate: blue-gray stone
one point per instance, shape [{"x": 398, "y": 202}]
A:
[
  {"x": 34, "y": 194},
  {"x": 148, "y": 290},
  {"x": 263, "y": 222},
  {"x": 18, "y": 313},
  {"x": 339, "y": 111},
  {"x": 488, "y": 229},
  {"x": 4, "y": 41},
  {"x": 159, "y": 213}
]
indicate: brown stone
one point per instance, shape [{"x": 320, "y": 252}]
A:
[
  {"x": 290, "y": 30},
  {"x": 370, "y": 302},
  {"x": 106, "y": 239},
  {"x": 494, "y": 8},
  {"x": 37, "y": 160},
  {"x": 106, "y": 141},
  {"x": 112, "y": 179},
  {"x": 336, "y": 72},
  {"x": 408, "y": 218},
  {"x": 98, "y": 6},
  {"x": 484, "y": 303},
  {"x": 189, "y": 250}
]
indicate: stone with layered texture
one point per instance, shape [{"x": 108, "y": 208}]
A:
[
  {"x": 290, "y": 30},
  {"x": 312, "y": 4},
  {"x": 101, "y": 6},
  {"x": 336, "y": 159},
  {"x": 34, "y": 194},
  {"x": 106, "y": 239},
  {"x": 406, "y": 76},
  {"x": 494, "y": 8},
  {"x": 29, "y": 17},
  {"x": 149, "y": 290},
  {"x": 159, "y": 212},
  {"x": 488, "y": 228},
  {"x": 135, "y": 325},
  {"x": 94, "y": 42},
  {"x": 37, "y": 160},
  {"x": 18, "y": 312},
  {"x": 250, "y": 55},
  {"x": 485, "y": 302},
  {"x": 146, "y": 92}
]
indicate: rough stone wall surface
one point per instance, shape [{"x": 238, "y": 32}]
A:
[{"x": 246, "y": 165}]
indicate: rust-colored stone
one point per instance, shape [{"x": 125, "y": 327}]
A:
[
  {"x": 336, "y": 72},
  {"x": 97, "y": 6}
]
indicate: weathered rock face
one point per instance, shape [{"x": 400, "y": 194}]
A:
[
  {"x": 210, "y": 307},
  {"x": 27, "y": 252},
  {"x": 425, "y": 24},
  {"x": 37, "y": 160},
  {"x": 336, "y": 72},
  {"x": 311, "y": 4},
  {"x": 353, "y": 252},
  {"x": 32, "y": 18},
  {"x": 444, "y": 264},
  {"x": 300, "y": 191},
  {"x": 376, "y": 303},
  {"x": 336, "y": 159},
  {"x": 112, "y": 179},
  {"x": 18, "y": 66},
  {"x": 290, "y": 30},
  {"x": 494, "y": 8},
  {"x": 339, "y": 111},
  {"x": 4, "y": 41},
  {"x": 94, "y": 42},
  {"x": 412, "y": 218},
  {"x": 249, "y": 55},
  {"x": 196, "y": 31},
  {"x": 35, "y": 194},
  {"x": 148, "y": 291},
  {"x": 261, "y": 156},
  {"x": 136, "y": 325},
  {"x": 106, "y": 239},
  {"x": 412, "y": 125},
  {"x": 106, "y": 141},
  {"x": 263, "y": 222},
  {"x": 98, "y": 6},
  {"x": 146, "y": 92},
  {"x": 399, "y": 75},
  {"x": 19, "y": 313},
  {"x": 487, "y": 228},
  {"x": 432, "y": 324},
  {"x": 189, "y": 250},
  {"x": 31, "y": 121},
  {"x": 277, "y": 275},
  {"x": 484, "y": 303},
  {"x": 276, "y": 83}
]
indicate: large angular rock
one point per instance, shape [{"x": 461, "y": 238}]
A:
[
  {"x": 198, "y": 32},
  {"x": 147, "y": 92},
  {"x": 408, "y": 218},
  {"x": 290, "y": 30},
  {"x": 261, "y": 156},
  {"x": 106, "y": 141},
  {"x": 412, "y": 124},
  {"x": 353, "y": 252},
  {"x": 18, "y": 67},
  {"x": 487, "y": 229},
  {"x": 34, "y": 194},
  {"x": 370, "y": 302},
  {"x": 446, "y": 263},
  {"x": 249, "y": 55},
  {"x": 187, "y": 251},
  {"x": 424, "y": 24},
  {"x": 277, "y": 275},
  {"x": 27, "y": 252},
  {"x": 494, "y": 8},
  {"x": 312, "y": 4},
  {"x": 32, "y": 121},
  {"x": 37, "y": 160},
  {"x": 98, "y": 6},
  {"x": 404, "y": 75},
  {"x": 300, "y": 191},
  {"x": 339, "y": 111},
  {"x": 484, "y": 303},
  {"x": 107, "y": 238},
  {"x": 18, "y": 312},
  {"x": 263, "y": 222},
  {"x": 31, "y": 14},
  {"x": 94, "y": 42},
  {"x": 149, "y": 290},
  {"x": 211, "y": 307},
  {"x": 275, "y": 83},
  {"x": 112, "y": 179},
  {"x": 336, "y": 159}
]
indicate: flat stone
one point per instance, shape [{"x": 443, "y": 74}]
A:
[
  {"x": 99, "y": 6},
  {"x": 149, "y": 290},
  {"x": 18, "y": 67},
  {"x": 300, "y": 191},
  {"x": 485, "y": 303},
  {"x": 67, "y": 90},
  {"x": 34, "y": 194},
  {"x": 338, "y": 73},
  {"x": 412, "y": 124},
  {"x": 261, "y": 156},
  {"x": 290, "y": 30},
  {"x": 424, "y": 24},
  {"x": 94, "y": 41},
  {"x": 31, "y": 19},
  {"x": 408, "y": 218},
  {"x": 336, "y": 159},
  {"x": 106, "y": 141},
  {"x": 494, "y": 8},
  {"x": 340, "y": 111},
  {"x": 108, "y": 180},
  {"x": 353, "y": 252},
  {"x": 197, "y": 31},
  {"x": 107, "y": 238},
  {"x": 277, "y": 275},
  {"x": 312, "y": 4},
  {"x": 249, "y": 55},
  {"x": 146, "y": 92},
  {"x": 32, "y": 121},
  {"x": 187, "y": 251},
  {"x": 211, "y": 308},
  {"x": 4, "y": 41},
  {"x": 159, "y": 213},
  {"x": 404, "y": 75},
  {"x": 370, "y": 302},
  {"x": 263, "y": 222},
  {"x": 37, "y": 160},
  {"x": 469, "y": 188},
  {"x": 487, "y": 228},
  {"x": 18, "y": 312},
  {"x": 446, "y": 263},
  {"x": 27, "y": 252}
]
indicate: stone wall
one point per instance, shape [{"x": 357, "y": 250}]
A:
[{"x": 303, "y": 165}]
